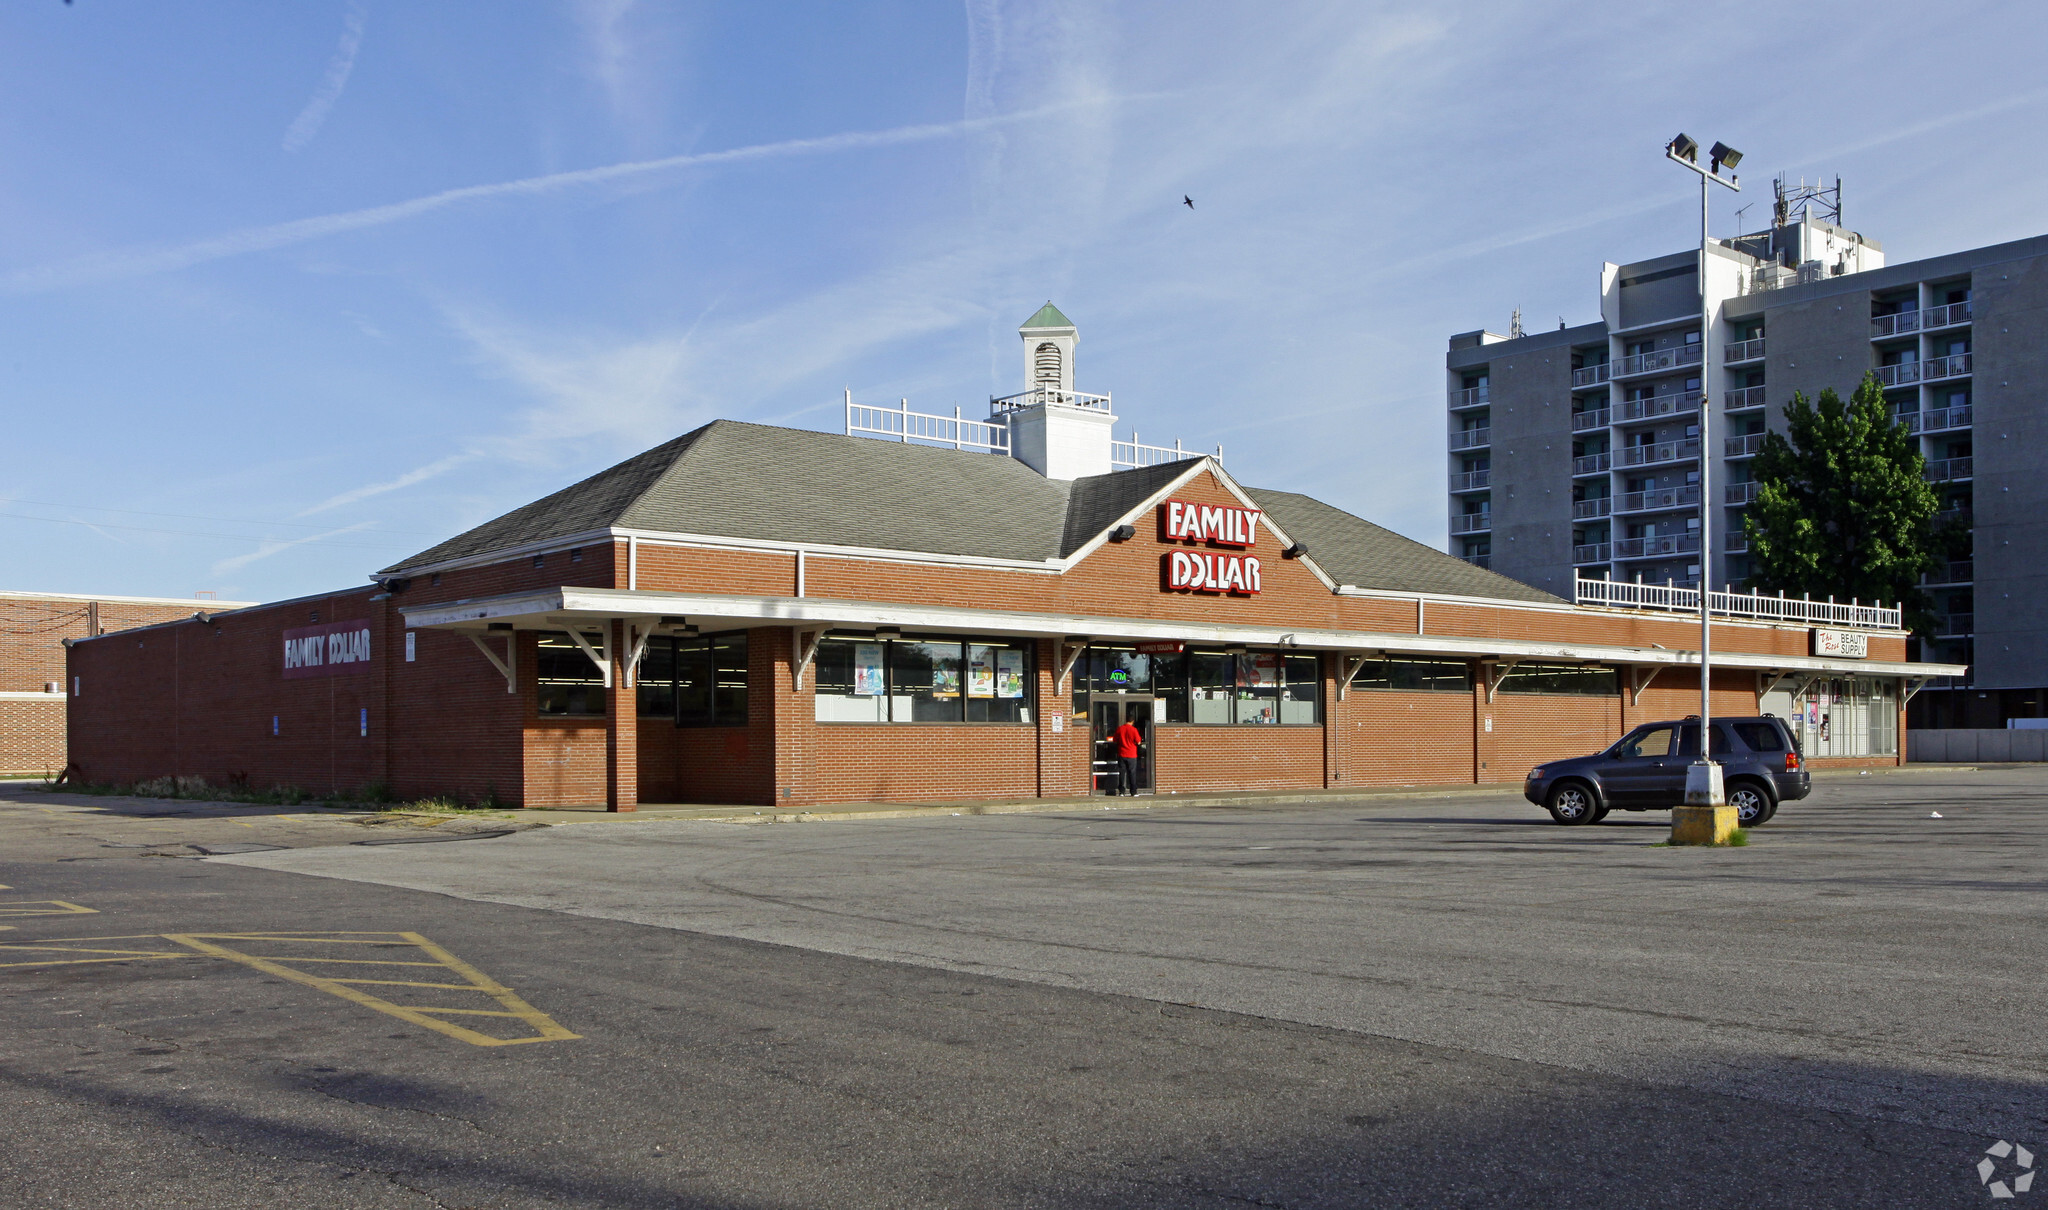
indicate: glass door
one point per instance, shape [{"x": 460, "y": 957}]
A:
[{"x": 1108, "y": 774}]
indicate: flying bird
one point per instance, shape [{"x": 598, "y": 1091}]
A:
[{"x": 1190, "y": 201}]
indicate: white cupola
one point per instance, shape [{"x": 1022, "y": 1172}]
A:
[{"x": 1054, "y": 429}]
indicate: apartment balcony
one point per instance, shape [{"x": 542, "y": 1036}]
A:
[
  {"x": 1659, "y": 500},
  {"x": 1472, "y": 523},
  {"x": 1661, "y": 546},
  {"x": 1948, "y": 516},
  {"x": 1955, "y": 571},
  {"x": 1736, "y": 495},
  {"x": 1471, "y": 397},
  {"x": 1599, "y": 506},
  {"x": 1672, "y": 404},
  {"x": 1736, "y": 542},
  {"x": 1485, "y": 561},
  {"x": 1658, "y": 362},
  {"x": 1587, "y": 421},
  {"x": 1472, "y": 439},
  {"x": 1744, "y": 350},
  {"x": 1744, "y": 399},
  {"x": 1956, "y": 625},
  {"x": 1658, "y": 454},
  {"x": 1945, "y": 317},
  {"x": 1904, "y": 374},
  {"x": 1597, "y": 552},
  {"x": 1899, "y": 324},
  {"x": 1591, "y": 464},
  {"x": 1948, "y": 470},
  {"x": 1470, "y": 481},
  {"x": 1938, "y": 420},
  {"x": 1589, "y": 376},
  {"x": 1938, "y": 369},
  {"x": 1744, "y": 446}
]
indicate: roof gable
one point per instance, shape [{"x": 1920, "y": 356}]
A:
[{"x": 1352, "y": 550}]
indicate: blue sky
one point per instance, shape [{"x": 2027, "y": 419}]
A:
[{"x": 288, "y": 291}]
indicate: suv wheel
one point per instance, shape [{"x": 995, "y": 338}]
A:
[
  {"x": 1752, "y": 803},
  {"x": 1572, "y": 803}
]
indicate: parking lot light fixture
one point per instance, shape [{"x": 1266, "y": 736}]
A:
[{"x": 1706, "y": 817}]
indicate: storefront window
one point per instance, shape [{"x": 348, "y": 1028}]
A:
[
  {"x": 1211, "y": 677},
  {"x": 1258, "y": 688},
  {"x": 1208, "y": 687},
  {"x": 923, "y": 681},
  {"x": 656, "y": 679},
  {"x": 1414, "y": 676},
  {"x": 1558, "y": 678},
  {"x": 711, "y": 681},
  {"x": 1847, "y": 716},
  {"x": 1301, "y": 693},
  {"x": 569, "y": 683}
]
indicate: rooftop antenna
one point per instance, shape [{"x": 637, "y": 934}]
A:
[
  {"x": 1741, "y": 228},
  {"x": 1515, "y": 325}
]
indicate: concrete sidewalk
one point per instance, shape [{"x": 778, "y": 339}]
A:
[
  {"x": 1023, "y": 806},
  {"x": 741, "y": 813}
]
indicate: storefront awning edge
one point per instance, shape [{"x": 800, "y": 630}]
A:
[{"x": 534, "y": 608}]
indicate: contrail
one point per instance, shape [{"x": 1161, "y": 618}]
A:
[
  {"x": 308, "y": 123},
  {"x": 134, "y": 262}
]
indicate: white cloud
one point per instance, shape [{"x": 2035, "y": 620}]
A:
[
  {"x": 279, "y": 545},
  {"x": 314, "y": 115},
  {"x": 133, "y": 262}
]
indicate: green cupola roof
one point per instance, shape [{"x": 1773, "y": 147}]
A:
[{"x": 1048, "y": 316}]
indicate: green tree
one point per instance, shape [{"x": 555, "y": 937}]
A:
[{"x": 1843, "y": 507}]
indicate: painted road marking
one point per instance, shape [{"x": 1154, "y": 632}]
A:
[
  {"x": 286, "y": 954},
  {"x": 87, "y": 945},
  {"x": 45, "y": 907}
]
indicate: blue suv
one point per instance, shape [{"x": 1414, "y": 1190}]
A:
[{"x": 1761, "y": 766}]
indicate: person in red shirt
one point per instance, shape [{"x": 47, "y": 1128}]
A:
[{"x": 1128, "y": 740}]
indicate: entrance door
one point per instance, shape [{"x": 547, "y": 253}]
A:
[{"x": 1107, "y": 712}]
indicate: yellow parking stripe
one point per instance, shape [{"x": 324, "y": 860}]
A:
[
  {"x": 544, "y": 1027},
  {"x": 45, "y": 907}
]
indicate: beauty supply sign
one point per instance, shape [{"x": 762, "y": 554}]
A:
[
  {"x": 334, "y": 649},
  {"x": 1842, "y": 644},
  {"x": 1223, "y": 531}
]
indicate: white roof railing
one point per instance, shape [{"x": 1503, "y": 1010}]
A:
[
  {"x": 1038, "y": 395},
  {"x": 901, "y": 424},
  {"x": 1619, "y": 594}
]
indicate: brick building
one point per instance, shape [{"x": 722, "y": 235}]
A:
[
  {"x": 33, "y": 628},
  {"x": 750, "y": 614}
]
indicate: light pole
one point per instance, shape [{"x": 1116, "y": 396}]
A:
[{"x": 1706, "y": 817}]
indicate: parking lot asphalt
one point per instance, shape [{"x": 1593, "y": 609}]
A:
[{"x": 1448, "y": 1001}]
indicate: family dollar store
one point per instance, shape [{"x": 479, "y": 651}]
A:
[{"x": 935, "y": 608}]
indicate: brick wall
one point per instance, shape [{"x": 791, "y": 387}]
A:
[
  {"x": 32, "y": 736},
  {"x": 32, "y": 634}
]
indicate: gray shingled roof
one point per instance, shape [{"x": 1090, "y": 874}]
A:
[
  {"x": 738, "y": 480},
  {"x": 1355, "y": 551}
]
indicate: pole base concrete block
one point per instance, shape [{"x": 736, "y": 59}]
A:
[{"x": 1702, "y": 825}]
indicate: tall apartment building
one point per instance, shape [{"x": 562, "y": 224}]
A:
[{"x": 1577, "y": 453}]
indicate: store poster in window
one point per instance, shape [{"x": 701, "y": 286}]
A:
[
  {"x": 867, "y": 670},
  {"x": 1009, "y": 674},
  {"x": 945, "y": 679},
  {"x": 1264, "y": 669},
  {"x": 981, "y": 671}
]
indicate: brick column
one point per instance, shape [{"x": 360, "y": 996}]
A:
[{"x": 621, "y": 729}]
